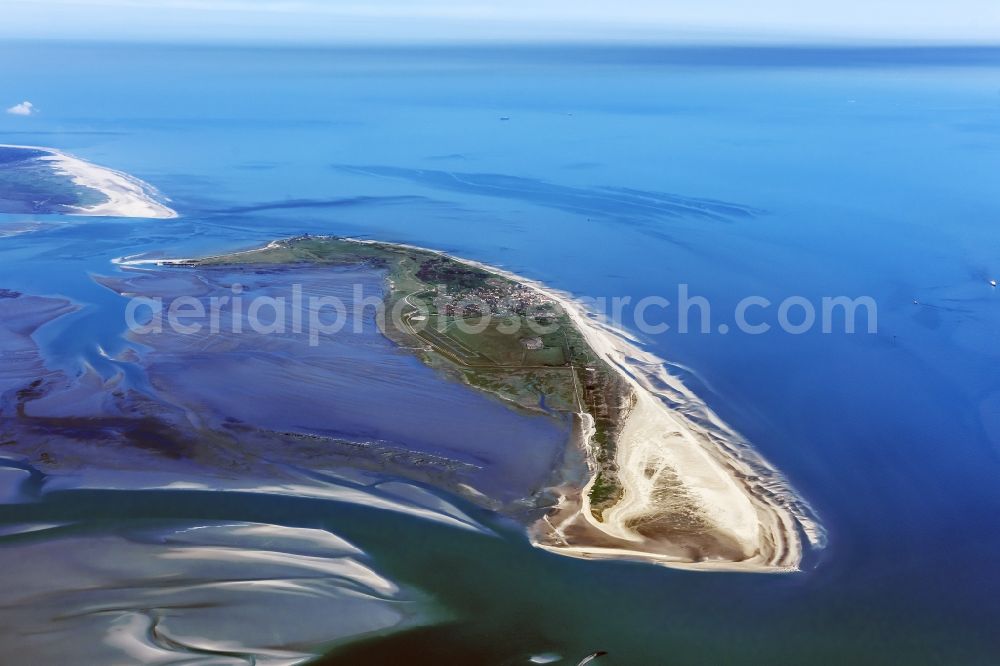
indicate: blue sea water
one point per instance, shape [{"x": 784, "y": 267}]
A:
[{"x": 774, "y": 173}]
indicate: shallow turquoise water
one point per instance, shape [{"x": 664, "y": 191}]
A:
[{"x": 842, "y": 176}]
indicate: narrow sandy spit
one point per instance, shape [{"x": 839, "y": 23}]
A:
[{"x": 127, "y": 195}]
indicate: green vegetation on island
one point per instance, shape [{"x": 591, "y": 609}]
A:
[{"x": 495, "y": 333}]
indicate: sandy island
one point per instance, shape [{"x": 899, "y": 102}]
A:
[
  {"x": 694, "y": 493},
  {"x": 127, "y": 196}
]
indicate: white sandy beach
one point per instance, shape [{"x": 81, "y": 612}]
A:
[
  {"x": 764, "y": 516},
  {"x": 127, "y": 196},
  {"x": 745, "y": 498}
]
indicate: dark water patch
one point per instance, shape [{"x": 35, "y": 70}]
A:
[
  {"x": 450, "y": 156},
  {"x": 32, "y": 391},
  {"x": 450, "y": 643},
  {"x": 628, "y": 205},
  {"x": 291, "y": 204},
  {"x": 148, "y": 433},
  {"x": 257, "y": 166}
]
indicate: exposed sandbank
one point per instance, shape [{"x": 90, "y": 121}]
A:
[{"x": 127, "y": 196}]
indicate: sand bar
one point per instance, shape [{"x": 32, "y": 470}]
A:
[{"x": 127, "y": 196}]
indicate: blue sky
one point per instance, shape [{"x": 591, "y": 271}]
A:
[{"x": 673, "y": 21}]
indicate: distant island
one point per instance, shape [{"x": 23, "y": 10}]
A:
[
  {"x": 42, "y": 181},
  {"x": 665, "y": 480}
]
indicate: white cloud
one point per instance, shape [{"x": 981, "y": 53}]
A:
[{"x": 22, "y": 109}]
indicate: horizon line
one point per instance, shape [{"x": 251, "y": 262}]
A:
[{"x": 491, "y": 43}]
